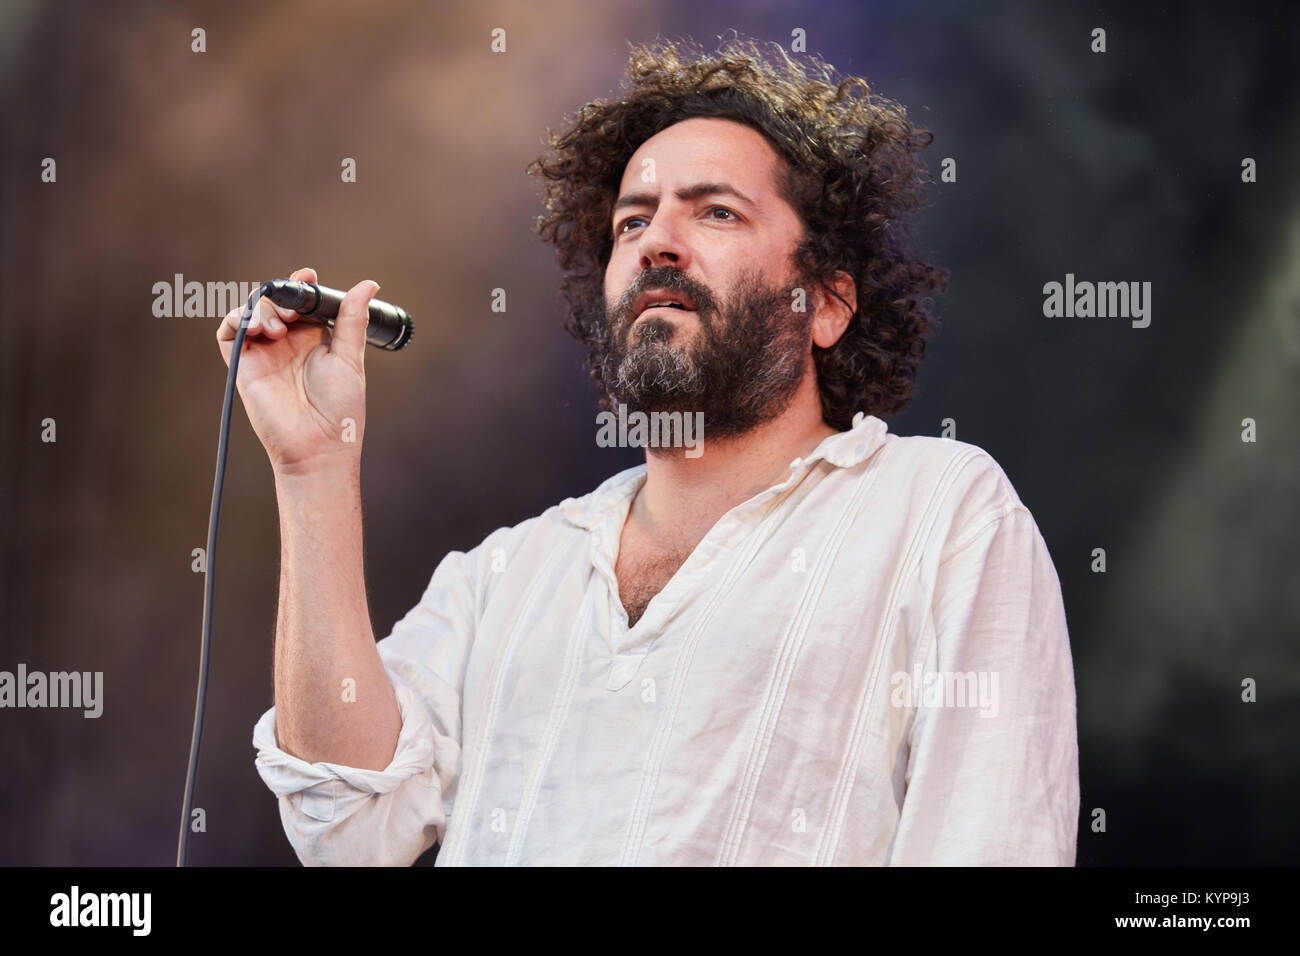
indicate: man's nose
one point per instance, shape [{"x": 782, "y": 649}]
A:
[{"x": 660, "y": 244}]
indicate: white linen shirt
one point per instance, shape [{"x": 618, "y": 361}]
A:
[{"x": 866, "y": 663}]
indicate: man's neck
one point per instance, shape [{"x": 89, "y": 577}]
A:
[{"x": 683, "y": 497}]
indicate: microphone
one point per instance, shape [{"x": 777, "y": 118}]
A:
[{"x": 389, "y": 327}]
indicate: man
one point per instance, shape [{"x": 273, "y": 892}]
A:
[{"x": 814, "y": 643}]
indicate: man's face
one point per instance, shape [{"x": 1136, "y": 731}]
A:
[{"x": 699, "y": 220}]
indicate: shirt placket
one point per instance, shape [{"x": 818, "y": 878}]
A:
[{"x": 628, "y": 647}]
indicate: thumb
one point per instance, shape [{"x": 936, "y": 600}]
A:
[{"x": 349, "y": 336}]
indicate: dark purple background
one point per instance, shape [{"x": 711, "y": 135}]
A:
[{"x": 224, "y": 166}]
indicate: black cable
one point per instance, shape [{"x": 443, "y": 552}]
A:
[{"x": 183, "y": 848}]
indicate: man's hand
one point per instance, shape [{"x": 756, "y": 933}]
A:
[{"x": 303, "y": 386}]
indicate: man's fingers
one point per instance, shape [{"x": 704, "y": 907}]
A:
[
  {"x": 229, "y": 325},
  {"x": 265, "y": 318},
  {"x": 260, "y": 322},
  {"x": 349, "y": 335}
]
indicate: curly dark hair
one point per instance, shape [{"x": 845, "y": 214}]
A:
[{"x": 849, "y": 174}]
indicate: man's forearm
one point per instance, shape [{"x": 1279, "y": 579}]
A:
[{"x": 324, "y": 638}]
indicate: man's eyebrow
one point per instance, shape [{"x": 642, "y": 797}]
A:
[{"x": 685, "y": 194}]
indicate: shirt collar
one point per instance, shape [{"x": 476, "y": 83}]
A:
[
  {"x": 852, "y": 447},
  {"x": 843, "y": 450}
]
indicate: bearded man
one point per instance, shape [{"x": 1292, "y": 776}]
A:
[{"x": 815, "y": 643}]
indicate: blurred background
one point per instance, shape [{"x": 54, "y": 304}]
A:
[{"x": 225, "y": 166}]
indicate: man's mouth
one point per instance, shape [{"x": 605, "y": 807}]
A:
[
  {"x": 653, "y": 300},
  {"x": 664, "y": 308}
]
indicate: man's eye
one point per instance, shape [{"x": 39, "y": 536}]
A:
[
  {"x": 713, "y": 209},
  {"x": 622, "y": 226}
]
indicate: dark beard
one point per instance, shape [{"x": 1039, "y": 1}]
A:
[{"x": 741, "y": 370}]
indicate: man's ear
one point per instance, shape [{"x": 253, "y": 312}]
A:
[{"x": 832, "y": 316}]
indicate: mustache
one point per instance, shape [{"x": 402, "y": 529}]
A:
[{"x": 668, "y": 278}]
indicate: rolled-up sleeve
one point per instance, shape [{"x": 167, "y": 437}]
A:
[
  {"x": 994, "y": 781},
  {"x": 338, "y": 815}
]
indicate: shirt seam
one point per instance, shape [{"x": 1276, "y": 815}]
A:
[
  {"x": 774, "y": 700},
  {"x": 984, "y": 522},
  {"x": 828, "y": 844},
  {"x": 489, "y": 707}
]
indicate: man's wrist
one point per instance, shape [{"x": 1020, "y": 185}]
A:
[{"x": 341, "y": 468}]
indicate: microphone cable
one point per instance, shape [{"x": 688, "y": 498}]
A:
[{"x": 183, "y": 847}]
